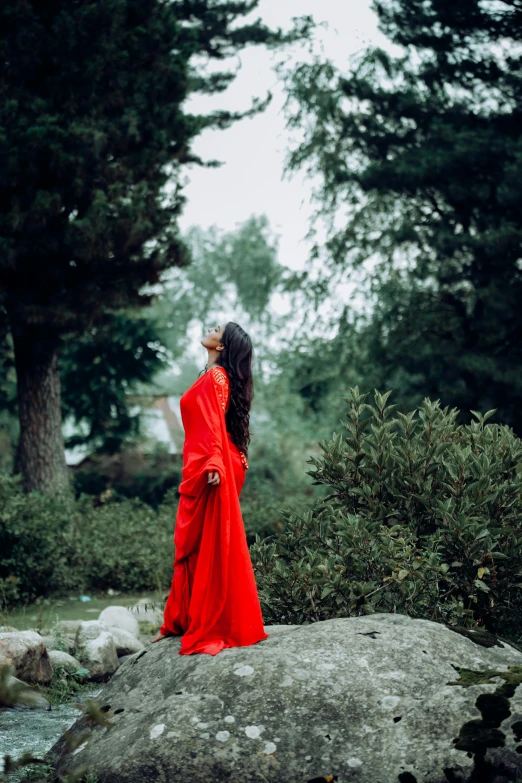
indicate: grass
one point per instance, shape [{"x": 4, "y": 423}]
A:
[{"x": 44, "y": 613}]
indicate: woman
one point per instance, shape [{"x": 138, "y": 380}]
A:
[{"x": 213, "y": 601}]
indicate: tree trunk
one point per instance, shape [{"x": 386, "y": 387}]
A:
[{"x": 40, "y": 454}]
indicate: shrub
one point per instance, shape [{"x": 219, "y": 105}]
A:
[
  {"x": 35, "y": 543},
  {"x": 424, "y": 517},
  {"x": 129, "y": 474},
  {"x": 128, "y": 545},
  {"x": 49, "y": 546}
]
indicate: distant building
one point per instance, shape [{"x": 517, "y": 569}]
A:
[{"x": 161, "y": 423}]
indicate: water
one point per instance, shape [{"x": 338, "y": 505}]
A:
[{"x": 36, "y": 730}]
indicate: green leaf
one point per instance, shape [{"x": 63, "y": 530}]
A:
[
  {"x": 482, "y": 585},
  {"x": 326, "y": 591}
]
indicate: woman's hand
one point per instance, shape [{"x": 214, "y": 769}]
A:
[{"x": 213, "y": 479}]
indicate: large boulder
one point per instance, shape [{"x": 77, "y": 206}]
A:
[
  {"x": 96, "y": 651},
  {"x": 26, "y": 652},
  {"x": 368, "y": 699},
  {"x": 119, "y": 617}
]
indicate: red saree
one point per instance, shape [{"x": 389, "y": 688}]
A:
[{"x": 213, "y": 601}]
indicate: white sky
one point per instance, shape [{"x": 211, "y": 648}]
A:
[{"x": 253, "y": 150}]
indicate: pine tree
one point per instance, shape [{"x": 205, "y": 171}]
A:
[
  {"x": 422, "y": 151},
  {"x": 92, "y": 131}
]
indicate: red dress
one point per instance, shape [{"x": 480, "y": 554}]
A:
[{"x": 213, "y": 601}]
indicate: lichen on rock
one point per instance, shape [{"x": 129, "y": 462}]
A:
[{"x": 370, "y": 698}]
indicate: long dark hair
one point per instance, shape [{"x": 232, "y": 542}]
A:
[{"x": 236, "y": 359}]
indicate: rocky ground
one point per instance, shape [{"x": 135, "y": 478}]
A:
[
  {"x": 375, "y": 699},
  {"x": 90, "y": 649}
]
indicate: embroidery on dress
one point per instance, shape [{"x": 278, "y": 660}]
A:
[{"x": 222, "y": 386}]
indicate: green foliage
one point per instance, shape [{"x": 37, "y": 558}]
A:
[
  {"x": 314, "y": 374},
  {"x": 89, "y": 147},
  {"x": 100, "y": 368},
  {"x": 130, "y": 474},
  {"x": 275, "y": 480},
  {"x": 128, "y": 545},
  {"x": 50, "y": 547},
  {"x": 35, "y": 542},
  {"x": 423, "y": 517},
  {"x": 92, "y": 152},
  {"x": 244, "y": 260},
  {"x": 421, "y": 150}
]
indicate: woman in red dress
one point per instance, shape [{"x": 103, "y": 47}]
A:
[{"x": 213, "y": 601}]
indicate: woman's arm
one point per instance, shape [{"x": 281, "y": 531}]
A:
[{"x": 221, "y": 385}]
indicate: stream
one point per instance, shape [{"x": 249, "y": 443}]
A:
[{"x": 36, "y": 730}]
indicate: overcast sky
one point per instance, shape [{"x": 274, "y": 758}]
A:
[{"x": 253, "y": 150}]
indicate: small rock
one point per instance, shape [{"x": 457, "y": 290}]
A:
[
  {"x": 52, "y": 642},
  {"x": 64, "y": 660},
  {"x": 126, "y": 643},
  {"x": 97, "y": 654},
  {"x": 26, "y": 697},
  {"x": 26, "y": 652},
  {"x": 67, "y": 626},
  {"x": 87, "y": 631},
  {"x": 119, "y": 617},
  {"x": 142, "y": 615}
]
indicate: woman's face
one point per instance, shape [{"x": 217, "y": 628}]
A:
[{"x": 212, "y": 339}]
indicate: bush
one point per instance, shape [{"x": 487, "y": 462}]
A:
[
  {"x": 424, "y": 518},
  {"x": 275, "y": 480},
  {"x": 49, "y": 546},
  {"x": 35, "y": 543},
  {"x": 129, "y": 474},
  {"x": 129, "y": 545}
]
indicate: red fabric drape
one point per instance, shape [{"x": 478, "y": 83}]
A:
[{"x": 213, "y": 601}]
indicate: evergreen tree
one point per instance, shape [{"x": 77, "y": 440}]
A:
[
  {"x": 422, "y": 152},
  {"x": 132, "y": 352},
  {"x": 92, "y": 130}
]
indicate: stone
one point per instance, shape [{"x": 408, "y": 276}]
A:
[
  {"x": 26, "y": 697},
  {"x": 26, "y": 652},
  {"x": 67, "y": 626},
  {"x": 95, "y": 650},
  {"x": 52, "y": 642},
  {"x": 371, "y": 698},
  {"x": 7, "y": 628},
  {"x": 87, "y": 631},
  {"x": 149, "y": 615},
  {"x": 123, "y": 658},
  {"x": 119, "y": 617},
  {"x": 65, "y": 661},
  {"x": 126, "y": 643}
]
